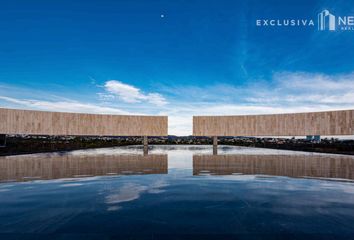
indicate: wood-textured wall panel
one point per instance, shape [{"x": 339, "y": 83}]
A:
[
  {"x": 3, "y": 120},
  {"x": 293, "y": 124},
  {"x": 14, "y": 121}
]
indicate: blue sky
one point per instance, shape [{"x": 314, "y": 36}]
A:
[{"x": 175, "y": 58}]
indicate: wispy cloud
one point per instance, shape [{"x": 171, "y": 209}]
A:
[
  {"x": 131, "y": 94},
  {"x": 287, "y": 92},
  {"x": 304, "y": 89},
  {"x": 62, "y": 106}
]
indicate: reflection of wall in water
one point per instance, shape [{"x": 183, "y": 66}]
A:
[
  {"x": 26, "y": 167},
  {"x": 279, "y": 165}
]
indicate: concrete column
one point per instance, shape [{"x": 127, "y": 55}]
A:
[
  {"x": 145, "y": 143},
  {"x": 215, "y": 141}
]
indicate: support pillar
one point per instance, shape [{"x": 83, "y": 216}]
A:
[
  {"x": 145, "y": 141},
  {"x": 215, "y": 141},
  {"x": 146, "y": 147}
]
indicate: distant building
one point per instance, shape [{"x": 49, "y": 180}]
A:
[
  {"x": 313, "y": 138},
  {"x": 309, "y": 138}
]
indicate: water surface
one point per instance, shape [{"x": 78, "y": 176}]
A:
[{"x": 177, "y": 192}]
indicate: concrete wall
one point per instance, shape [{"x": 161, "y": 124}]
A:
[
  {"x": 57, "y": 123},
  {"x": 295, "y": 124},
  {"x": 303, "y": 165}
]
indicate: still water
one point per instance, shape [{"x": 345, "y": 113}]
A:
[{"x": 177, "y": 192}]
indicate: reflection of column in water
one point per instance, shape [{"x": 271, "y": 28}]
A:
[
  {"x": 145, "y": 145},
  {"x": 278, "y": 165},
  {"x": 215, "y": 150},
  {"x": 146, "y": 150},
  {"x": 44, "y": 166}
]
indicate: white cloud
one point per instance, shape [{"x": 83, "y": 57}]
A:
[
  {"x": 315, "y": 81},
  {"x": 105, "y": 97},
  {"x": 287, "y": 93},
  {"x": 131, "y": 94},
  {"x": 303, "y": 89}
]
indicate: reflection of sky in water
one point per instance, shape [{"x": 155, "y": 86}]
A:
[
  {"x": 132, "y": 191},
  {"x": 219, "y": 206}
]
